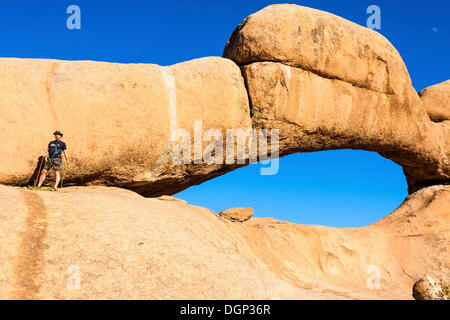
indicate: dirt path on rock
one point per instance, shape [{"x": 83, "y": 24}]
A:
[{"x": 30, "y": 259}]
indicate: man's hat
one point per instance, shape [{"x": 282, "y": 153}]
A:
[{"x": 58, "y": 132}]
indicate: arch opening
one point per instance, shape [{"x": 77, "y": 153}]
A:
[{"x": 337, "y": 188}]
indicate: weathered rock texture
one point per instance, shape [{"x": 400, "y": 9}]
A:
[
  {"x": 125, "y": 246},
  {"x": 119, "y": 120},
  {"x": 428, "y": 288},
  {"x": 328, "y": 83},
  {"x": 237, "y": 214},
  {"x": 436, "y": 100}
]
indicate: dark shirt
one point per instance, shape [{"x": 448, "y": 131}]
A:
[{"x": 55, "y": 148}]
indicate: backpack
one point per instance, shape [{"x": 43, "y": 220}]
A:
[{"x": 58, "y": 150}]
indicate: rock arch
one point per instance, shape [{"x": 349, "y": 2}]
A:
[
  {"x": 328, "y": 83},
  {"x": 324, "y": 82}
]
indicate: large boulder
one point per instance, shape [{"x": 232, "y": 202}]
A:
[
  {"x": 110, "y": 243},
  {"x": 436, "y": 100},
  {"x": 427, "y": 288},
  {"x": 327, "y": 83},
  {"x": 119, "y": 121},
  {"x": 320, "y": 42}
]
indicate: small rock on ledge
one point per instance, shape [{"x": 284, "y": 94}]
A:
[{"x": 237, "y": 214}]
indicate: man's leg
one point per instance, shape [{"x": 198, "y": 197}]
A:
[
  {"x": 42, "y": 178},
  {"x": 58, "y": 177}
]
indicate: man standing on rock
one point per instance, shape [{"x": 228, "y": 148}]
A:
[{"x": 54, "y": 158}]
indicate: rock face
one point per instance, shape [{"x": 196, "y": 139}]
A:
[
  {"x": 111, "y": 243},
  {"x": 119, "y": 121},
  {"x": 322, "y": 81},
  {"x": 436, "y": 100},
  {"x": 427, "y": 288},
  {"x": 237, "y": 214},
  {"x": 328, "y": 83}
]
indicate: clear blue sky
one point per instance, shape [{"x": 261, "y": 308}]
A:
[{"x": 336, "y": 188}]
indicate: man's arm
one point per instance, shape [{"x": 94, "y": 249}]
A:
[{"x": 66, "y": 156}]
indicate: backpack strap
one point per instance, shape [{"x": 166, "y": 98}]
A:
[{"x": 57, "y": 150}]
